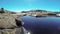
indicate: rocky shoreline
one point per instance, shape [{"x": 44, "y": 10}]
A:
[{"x": 9, "y": 23}]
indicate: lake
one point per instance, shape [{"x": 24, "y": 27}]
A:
[{"x": 42, "y": 25}]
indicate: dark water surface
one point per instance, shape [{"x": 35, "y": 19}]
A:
[{"x": 42, "y": 25}]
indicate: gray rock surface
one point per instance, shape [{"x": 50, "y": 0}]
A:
[
  {"x": 8, "y": 24},
  {"x": 11, "y": 31},
  {"x": 7, "y": 21}
]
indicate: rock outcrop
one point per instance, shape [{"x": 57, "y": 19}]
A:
[{"x": 9, "y": 23}]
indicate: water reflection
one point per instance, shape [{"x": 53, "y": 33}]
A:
[{"x": 43, "y": 25}]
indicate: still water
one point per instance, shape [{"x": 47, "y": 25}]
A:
[{"x": 42, "y": 25}]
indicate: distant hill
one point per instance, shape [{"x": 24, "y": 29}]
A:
[
  {"x": 39, "y": 11},
  {"x": 35, "y": 11}
]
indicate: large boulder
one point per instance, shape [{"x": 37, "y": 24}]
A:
[{"x": 9, "y": 21}]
